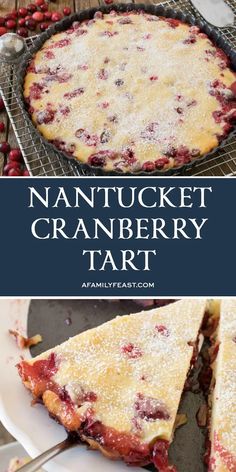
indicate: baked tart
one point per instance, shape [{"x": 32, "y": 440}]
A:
[
  {"x": 223, "y": 398},
  {"x": 118, "y": 386},
  {"x": 131, "y": 92}
]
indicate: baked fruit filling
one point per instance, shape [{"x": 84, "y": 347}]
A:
[
  {"x": 118, "y": 386},
  {"x": 131, "y": 92},
  {"x": 222, "y": 457}
]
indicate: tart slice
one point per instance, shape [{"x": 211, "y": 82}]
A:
[
  {"x": 223, "y": 418},
  {"x": 118, "y": 386}
]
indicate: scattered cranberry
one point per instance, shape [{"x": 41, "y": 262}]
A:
[
  {"x": 31, "y": 8},
  {"x": 15, "y": 155},
  {"x": 2, "y": 127},
  {"x": 31, "y": 24},
  {"x": 43, "y": 26},
  {"x": 11, "y": 165},
  {"x": 48, "y": 15},
  {"x": 159, "y": 163},
  {"x": 22, "y": 12},
  {"x": 39, "y": 3},
  {"x": 148, "y": 166},
  {"x": 97, "y": 160},
  {"x": 2, "y": 21},
  {"x": 21, "y": 22},
  {"x": 44, "y": 7},
  {"x": 25, "y": 173},
  {"x": 150, "y": 409},
  {"x": 5, "y": 147},
  {"x": 67, "y": 11},
  {"x": 153, "y": 78},
  {"x": 38, "y": 16},
  {"x": 15, "y": 172},
  {"x": 56, "y": 16},
  {"x": 131, "y": 351},
  {"x": 163, "y": 330},
  {"x": 22, "y": 32},
  {"x": 3, "y": 30},
  {"x": 2, "y": 106},
  {"x": 11, "y": 24}
]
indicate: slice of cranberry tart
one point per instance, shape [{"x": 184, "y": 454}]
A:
[
  {"x": 118, "y": 386},
  {"x": 131, "y": 92},
  {"x": 223, "y": 397}
]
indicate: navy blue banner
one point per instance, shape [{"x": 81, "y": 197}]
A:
[{"x": 118, "y": 237}]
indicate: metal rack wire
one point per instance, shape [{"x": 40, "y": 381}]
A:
[{"x": 43, "y": 162}]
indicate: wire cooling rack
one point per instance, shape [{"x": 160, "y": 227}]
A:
[{"x": 41, "y": 161}]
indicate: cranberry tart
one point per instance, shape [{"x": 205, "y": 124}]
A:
[
  {"x": 223, "y": 399},
  {"x": 118, "y": 386},
  {"x": 131, "y": 92}
]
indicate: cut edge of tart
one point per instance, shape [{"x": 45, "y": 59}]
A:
[
  {"x": 222, "y": 400},
  {"x": 118, "y": 386},
  {"x": 126, "y": 109}
]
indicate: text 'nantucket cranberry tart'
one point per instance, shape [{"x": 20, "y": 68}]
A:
[
  {"x": 223, "y": 399},
  {"x": 118, "y": 386},
  {"x": 131, "y": 92}
]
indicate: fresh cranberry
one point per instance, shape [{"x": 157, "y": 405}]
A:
[
  {"x": 67, "y": 11},
  {"x": 56, "y": 16},
  {"x": 2, "y": 127},
  {"x": 44, "y": 7},
  {"x": 150, "y": 409},
  {"x": 31, "y": 8},
  {"x": 22, "y": 32},
  {"x": 5, "y": 147},
  {"x": 161, "y": 162},
  {"x": 108, "y": 2},
  {"x": 2, "y": 21},
  {"x": 22, "y": 12},
  {"x": 9, "y": 16},
  {"x": 15, "y": 172},
  {"x": 15, "y": 155},
  {"x": 44, "y": 26},
  {"x": 3, "y": 30},
  {"x": 31, "y": 24},
  {"x": 26, "y": 173},
  {"x": 148, "y": 166},
  {"x": 11, "y": 24},
  {"x": 21, "y": 22},
  {"x": 163, "y": 330},
  {"x": 47, "y": 15},
  {"x": 39, "y": 3},
  {"x": 131, "y": 351},
  {"x": 38, "y": 16},
  {"x": 11, "y": 165}
]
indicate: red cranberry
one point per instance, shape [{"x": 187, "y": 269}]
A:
[
  {"x": 3, "y": 30},
  {"x": 21, "y": 22},
  {"x": 31, "y": 8},
  {"x": 38, "y": 16},
  {"x": 5, "y": 147},
  {"x": 2, "y": 21},
  {"x": 2, "y": 106},
  {"x": 11, "y": 24},
  {"x": 160, "y": 456},
  {"x": 47, "y": 15},
  {"x": 11, "y": 165},
  {"x": 150, "y": 409},
  {"x": 97, "y": 160},
  {"x": 22, "y": 12},
  {"x": 15, "y": 172},
  {"x": 159, "y": 163},
  {"x": 9, "y": 16},
  {"x": 131, "y": 351},
  {"x": 67, "y": 11},
  {"x": 15, "y": 155},
  {"x": 43, "y": 26},
  {"x": 108, "y": 2},
  {"x": 2, "y": 127},
  {"x": 22, "y": 32},
  {"x": 153, "y": 78},
  {"x": 163, "y": 330},
  {"x": 26, "y": 173},
  {"x": 28, "y": 17},
  {"x": 31, "y": 24},
  {"x": 56, "y": 16},
  {"x": 148, "y": 166},
  {"x": 45, "y": 116},
  {"x": 39, "y": 3}
]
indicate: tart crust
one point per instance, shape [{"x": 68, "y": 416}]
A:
[
  {"x": 131, "y": 92},
  {"x": 118, "y": 386}
]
